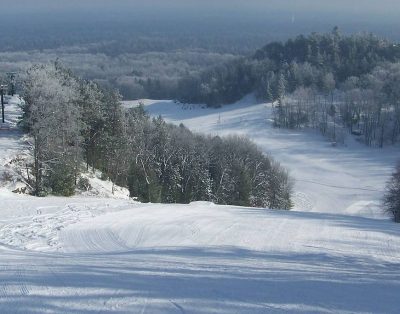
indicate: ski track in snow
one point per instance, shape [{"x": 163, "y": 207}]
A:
[{"x": 102, "y": 255}]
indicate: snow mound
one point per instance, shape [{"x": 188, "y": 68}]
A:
[{"x": 103, "y": 187}]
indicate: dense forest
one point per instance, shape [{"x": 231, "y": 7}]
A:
[
  {"x": 151, "y": 74},
  {"x": 76, "y": 126},
  {"x": 327, "y": 81}
]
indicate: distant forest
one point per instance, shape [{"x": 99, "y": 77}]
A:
[
  {"x": 142, "y": 54},
  {"x": 145, "y": 53},
  {"x": 331, "y": 82}
]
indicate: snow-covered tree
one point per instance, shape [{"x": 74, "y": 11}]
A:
[{"x": 54, "y": 121}]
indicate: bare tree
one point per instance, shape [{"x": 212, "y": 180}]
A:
[{"x": 391, "y": 199}]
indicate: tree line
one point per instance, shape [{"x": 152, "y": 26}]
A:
[
  {"x": 331, "y": 82},
  {"x": 76, "y": 126},
  {"x": 367, "y": 107}
]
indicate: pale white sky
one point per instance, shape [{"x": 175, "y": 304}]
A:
[{"x": 370, "y": 6}]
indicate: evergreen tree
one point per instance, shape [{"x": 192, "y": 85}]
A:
[{"x": 269, "y": 96}]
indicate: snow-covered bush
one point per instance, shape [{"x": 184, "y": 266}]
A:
[
  {"x": 7, "y": 176},
  {"x": 61, "y": 180},
  {"x": 84, "y": 184}
]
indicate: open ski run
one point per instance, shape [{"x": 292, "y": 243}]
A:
[{"x": 97, "y": 255}]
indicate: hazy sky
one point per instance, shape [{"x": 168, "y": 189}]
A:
[
  {"x": 342, "y": 11},
  {"x": 356, "y": 6},
  {"x": 358, "y": 10},
  {"x": 271, "y": 17}
]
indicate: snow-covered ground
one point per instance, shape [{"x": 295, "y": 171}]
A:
[
  {"x": 96, "y": 254},
  {"x": 344, "y": 179},
  {"x": 89, "y": 255}
]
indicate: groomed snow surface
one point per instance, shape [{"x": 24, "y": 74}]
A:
[{"x": 89, "y": 254}]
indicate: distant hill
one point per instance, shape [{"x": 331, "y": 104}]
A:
[{"x": 302, "y": 61}]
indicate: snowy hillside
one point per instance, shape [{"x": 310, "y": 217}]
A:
[
  {"x": 100, "y": 254},
  {"x": 346, "y": 179},
  {"x": 88, "y": 255}
]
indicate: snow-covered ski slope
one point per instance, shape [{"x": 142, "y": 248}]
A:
[
  {"x": 91, "y": 254},
  {"x": 344, "y": 179}
]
